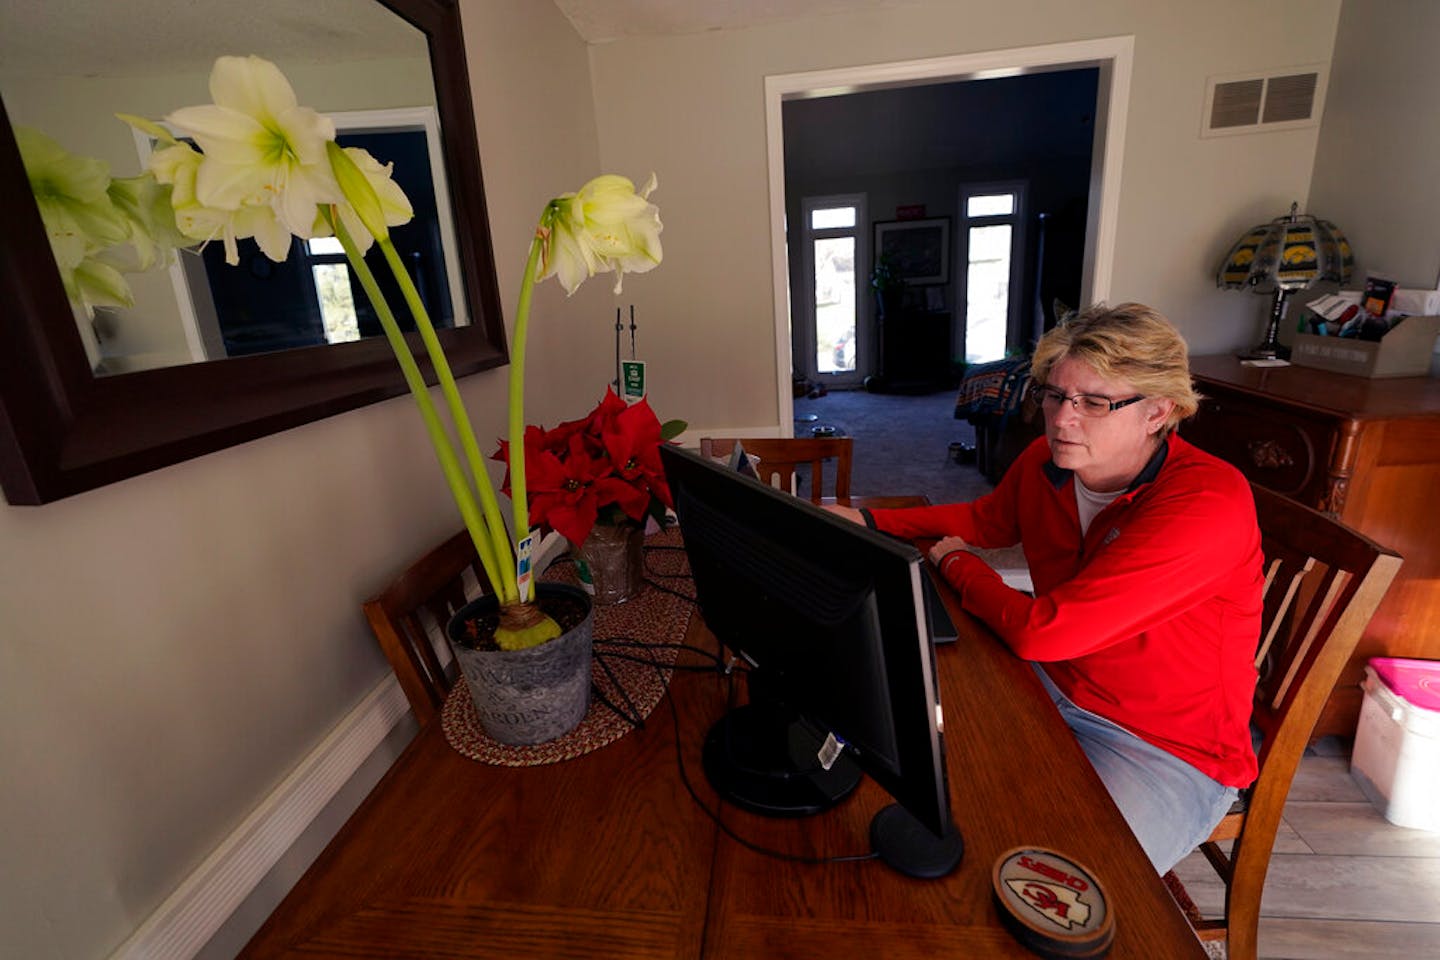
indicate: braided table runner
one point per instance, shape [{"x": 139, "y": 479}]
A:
[{"x": 652, "y": 617}]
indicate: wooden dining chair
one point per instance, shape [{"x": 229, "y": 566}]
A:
[
  {"x": 410, "y": 614},
  {"x": 1323, "y": 582},
  {"x": 778, "y": 459}
]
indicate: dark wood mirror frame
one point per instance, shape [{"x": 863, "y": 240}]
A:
[{"x": 64, "y": 430}]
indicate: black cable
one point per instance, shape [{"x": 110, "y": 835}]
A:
[
  {"x": 674, "y": 593},
  {"x": 634, "y": 715},
  {"x": 747, "y": 844},
  {"x": 599, "y": 694},
  {"x": 727, "y": 670},
  {"x": 645, "y": 644},
  {"x": 650, "y": 569}
]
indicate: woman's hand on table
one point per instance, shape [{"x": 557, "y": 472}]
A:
[
  {"x": 947, "y": 545},
  {"x": 852, "y": 514}
]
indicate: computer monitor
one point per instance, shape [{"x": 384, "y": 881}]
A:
[{"x": 831, "y": 618}]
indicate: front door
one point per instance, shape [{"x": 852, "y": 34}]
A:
[{"x": 837, "y": 348}]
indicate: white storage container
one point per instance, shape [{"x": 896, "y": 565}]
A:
[{"x": 1396, "y": 760}]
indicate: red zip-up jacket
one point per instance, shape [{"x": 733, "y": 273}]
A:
[{"x": 1151, "y": 620}]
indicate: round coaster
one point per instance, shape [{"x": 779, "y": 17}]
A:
[{"x": 1053, "y": 905}]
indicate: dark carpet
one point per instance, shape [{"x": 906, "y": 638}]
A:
[
  {"x": 902, "y": 443},
  {"x": 902, "y": 446}
]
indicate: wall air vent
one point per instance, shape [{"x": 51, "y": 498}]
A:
[{"x": 1283, "y": 99}]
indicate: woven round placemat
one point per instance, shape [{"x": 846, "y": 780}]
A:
[{"x": 651, "y": 619}]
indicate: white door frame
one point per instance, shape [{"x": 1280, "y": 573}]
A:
[{"x": 1112, "y": 55}]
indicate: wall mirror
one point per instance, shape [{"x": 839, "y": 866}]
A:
[{"x": 212, "y": 356}]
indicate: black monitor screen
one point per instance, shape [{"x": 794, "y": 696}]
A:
[{"x": 832, "y": 619}]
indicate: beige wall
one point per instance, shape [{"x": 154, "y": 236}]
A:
[
  {"x": 172, "y": 645},
  {"x": 1375, "y": 165},
  {"x": 692, "y": 108}
]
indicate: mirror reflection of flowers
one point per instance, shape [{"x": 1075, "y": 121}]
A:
[
  {"x": 269, "y": 169},
  {"x": 602, "y": 468},
  {"x": 100, "y": 227}
]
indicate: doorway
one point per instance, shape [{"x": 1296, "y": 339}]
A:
[{"x": 1108, "y": 61}]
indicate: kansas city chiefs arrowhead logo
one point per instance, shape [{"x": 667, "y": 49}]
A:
[{"x": 1055, "y": 902}]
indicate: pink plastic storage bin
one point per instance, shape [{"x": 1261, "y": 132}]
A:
[{"x": 1396, "y": 760}]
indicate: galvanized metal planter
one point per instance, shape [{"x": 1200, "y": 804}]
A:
[{"x": 528, "y": 696}]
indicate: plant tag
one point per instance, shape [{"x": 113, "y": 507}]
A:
[
  {"x": 830, "y": 750},
  {"x": 632, "y": 380},
  {"x": 523, "y": 576},
  {"x": 587, "y": 579}
]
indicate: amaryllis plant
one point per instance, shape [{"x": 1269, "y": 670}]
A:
[
  {"x": 269, "y": 169},
  {"x": 602, "y": 468}
]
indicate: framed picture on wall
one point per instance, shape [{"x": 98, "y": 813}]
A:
[{"x": 918, "y": 251}]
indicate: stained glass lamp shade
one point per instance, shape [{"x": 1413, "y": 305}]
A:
[{"x": 1280, "y": 257}]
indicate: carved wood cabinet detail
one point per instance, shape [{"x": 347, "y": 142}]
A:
[{"x": 1366, "y": 451}]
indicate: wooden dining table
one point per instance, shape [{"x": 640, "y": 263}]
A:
[{"x": 616, "y": 853}]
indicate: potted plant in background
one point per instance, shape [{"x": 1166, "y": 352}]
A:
[{"x": 269, "y": 169}]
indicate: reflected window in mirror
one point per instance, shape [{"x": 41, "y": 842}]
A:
[{"x": 312, "y": 298}]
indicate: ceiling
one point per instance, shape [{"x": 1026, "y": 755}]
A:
[
  {"x": 147, "y": 37},
  {"x": 137, "y": 37},
  {"x": 601, "y": 21}
]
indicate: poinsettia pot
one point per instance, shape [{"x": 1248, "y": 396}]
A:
[
  {"x": 613, "y": 558},
  {"x": 533, "y": 695}
]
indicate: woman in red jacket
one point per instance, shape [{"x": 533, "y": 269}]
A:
[{"x": 1145, "y": 557}]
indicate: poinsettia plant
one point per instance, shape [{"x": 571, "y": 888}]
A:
[
  {"x": 263, "y": 167},
  {"x": 602, "y": 468}
]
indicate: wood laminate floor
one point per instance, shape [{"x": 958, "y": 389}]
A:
[{"x": 1344, "y": 882}]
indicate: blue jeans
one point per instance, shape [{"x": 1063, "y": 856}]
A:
[{"x": 1170, "y": 806}]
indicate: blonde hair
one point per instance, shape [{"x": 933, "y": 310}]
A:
[{"x": 1130, "y": 342}]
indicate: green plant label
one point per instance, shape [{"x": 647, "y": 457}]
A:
[{"x": 632, "y": 380}]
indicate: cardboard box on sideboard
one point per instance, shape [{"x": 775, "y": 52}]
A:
[{"x": 1403, "y": 352}]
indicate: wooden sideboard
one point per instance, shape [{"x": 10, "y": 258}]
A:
[{"x": 1366, "y": 451}]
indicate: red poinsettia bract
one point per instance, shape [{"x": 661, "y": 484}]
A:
[{"x": 607, "y": 462}]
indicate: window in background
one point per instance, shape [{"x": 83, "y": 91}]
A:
[
  {"x": 993, "y": 238},
  {"x": 835, "y": 249}
]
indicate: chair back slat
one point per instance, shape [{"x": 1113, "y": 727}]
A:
[
  {"x": 1318, "y": 619},
  {"x": 778, "y": 459},
  {"x": 409, "y": 618},
  {"x": 1282, "y": 581}
]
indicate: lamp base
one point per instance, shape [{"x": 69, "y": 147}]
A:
[
  {"x": 1267, "y": 351},
  {"x": 1271, "y": 348}
]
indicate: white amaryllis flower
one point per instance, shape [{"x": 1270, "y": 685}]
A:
[
  {"x": 261, "y": 148},
  {"x": 179, "y": 166},
  {"x": 605, "y": 225},
  {"x": 394, "y": 207},
  {"x": 89, "y": 219}
]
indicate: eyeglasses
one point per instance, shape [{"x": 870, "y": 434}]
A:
[{"x": 1087, "y": 404}]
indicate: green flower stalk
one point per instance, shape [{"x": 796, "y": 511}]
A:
[{"x": 270, "y": 169}]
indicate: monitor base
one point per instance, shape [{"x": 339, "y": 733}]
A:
[
  {"x": 762, "y": 758},
  {"x": 908, "y": 846}
]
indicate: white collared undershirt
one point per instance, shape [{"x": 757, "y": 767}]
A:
[{"x": 1090, "y": 503}]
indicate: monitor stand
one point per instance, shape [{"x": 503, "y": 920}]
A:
[
  {"x": 907, "y": 845},
  {"x": 763, "y": 758}
]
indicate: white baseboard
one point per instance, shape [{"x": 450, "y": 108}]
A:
[
  {"x": 190, "y": 916},
  {"x": 691, "y": 437}
]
